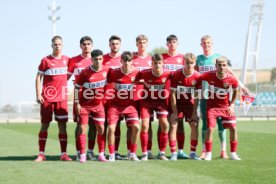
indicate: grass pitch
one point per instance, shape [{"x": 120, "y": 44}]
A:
[{"x": 18, "y": 149}]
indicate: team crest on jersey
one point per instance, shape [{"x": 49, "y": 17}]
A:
[
  {"x": 132, "y": 79},
  {"x": 225, "y": 85},
  {"x": 193, "y": 82},
  {"x": 104, "y": 74},
  {"x": 179, "y": 60},
  {"x": 179, "y": 82},
  {"x": 163, "y": 80},
  {"x": 149, "y": 62},
  {"x": 64, "y": 62},
  {"x": 214, "y": 61}
]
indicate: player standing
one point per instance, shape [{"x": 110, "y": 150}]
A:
[
  {"x": 154, "y": 98},
  {"x": 123, "y": 105},
  {"x": 205, "y": 63},
  {"x": 183, "y": 85},
  {"x": 142, "y": 61},
  {"x": 76, "y": 65},
  {"x": 89, "y": 102},
  {"x": 174, "y": 61},
  {"x": 113, "y": 60},
  {"x": 220, "y": 104},
  {"x": 53, "y": 97}
]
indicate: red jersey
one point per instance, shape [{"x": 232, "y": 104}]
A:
[
  {"x": 173, "y": 63},
  {"x": 77, "y": 64},
  {"x": 154, "y": 86},
  {"x": 92, "y": 83},
  {"x": 111, "y": 62},
  {"x": 184, "y": 86},
  {"x": 142, "y": 63},
  {"x": 219, "y": 89},
  {"x": 54, "y": 87},
  {"x": 123, "y": 85}
]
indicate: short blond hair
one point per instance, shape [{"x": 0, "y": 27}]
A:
[
  {"x": 190, "y": 57},
  {"x": 206, "y": 37},
  {"x": 141, "y": 37}
]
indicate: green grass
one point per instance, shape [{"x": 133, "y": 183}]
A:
[{"x": 18, "y": 148}]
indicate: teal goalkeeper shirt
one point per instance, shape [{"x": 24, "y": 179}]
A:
[{"x": 206, "y": 64}]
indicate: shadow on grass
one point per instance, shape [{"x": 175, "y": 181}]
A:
[{"x": 31, "y": 158}]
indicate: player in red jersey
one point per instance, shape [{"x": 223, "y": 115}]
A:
[
  {"x": 123, "y": 105},
  {"x": 76, "y": 65},
  {"x": 220, "y": 104},
  {"x": 53, "y": 97},
  {"x": 89, "y": 100},
  {"x": 174, "y": 61},
  {"x": 154, "y": 98},
  {"x": 142, "y": 61},
  {"x": 183, "y": 85},
  {"x": 113, "y": 60}
]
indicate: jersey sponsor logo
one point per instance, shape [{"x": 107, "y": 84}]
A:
[
  {"x": 77, "y": 71},
  {"x": 142, "y": 68},
  {"x": 206, "y": 68},
  {"x": 154, "y": 87},
  {"x": 56, "y": 71},
  {"x": 172, "y": 67},
  {"x": 94, "y": 85},
  {"x": 114, "y": 67},
  {"x": 126, "y": 87},
  {"x": 217, "y": 90},
  {"x": 185, "y": 89}
]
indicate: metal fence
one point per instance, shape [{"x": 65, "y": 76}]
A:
[{"x": 254, "y": 113}]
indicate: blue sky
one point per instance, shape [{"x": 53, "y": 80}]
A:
[{"x": 26, "y": 32}]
